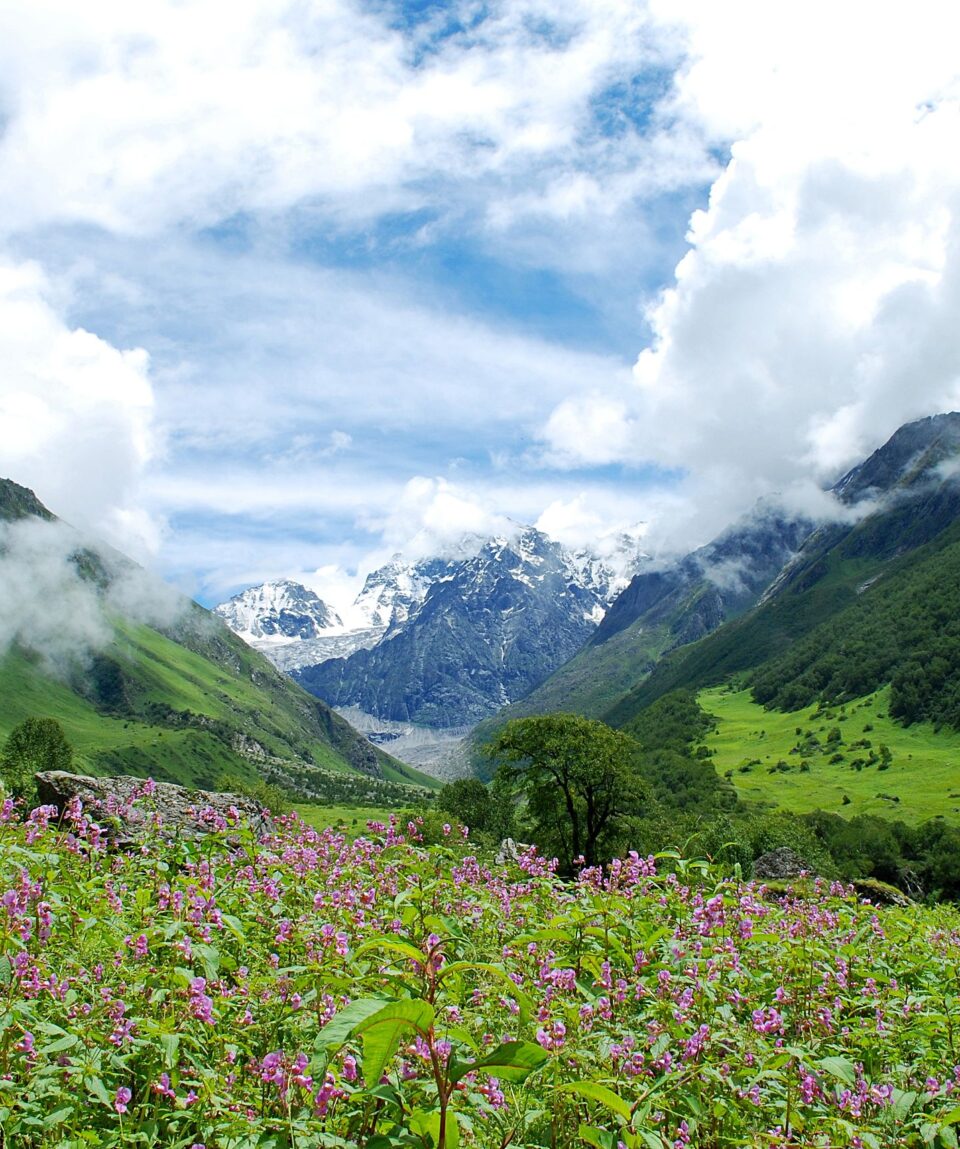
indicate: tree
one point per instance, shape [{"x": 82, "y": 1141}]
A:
[
  {"x": 579, "y": 777},
  {"x": 483, "y": 808},
  {"x": 36, "y": 744}
]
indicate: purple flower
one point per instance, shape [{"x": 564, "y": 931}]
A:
[{"x": 122, "y": 1099}]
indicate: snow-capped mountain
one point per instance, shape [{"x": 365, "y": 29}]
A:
[
  {"x": 277, "y": 611},
  {"x": 488, "y": 628},
  {"x": 396, "y": 590}
]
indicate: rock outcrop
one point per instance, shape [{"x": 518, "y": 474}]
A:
[
  {"x": 781, "y": 863},
  {"x": 128, "y": 808}
]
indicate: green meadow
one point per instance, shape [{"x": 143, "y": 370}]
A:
[{"x": 846, "y": 759}]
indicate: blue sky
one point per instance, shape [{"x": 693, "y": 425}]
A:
[{"x": 283, "y": 295}]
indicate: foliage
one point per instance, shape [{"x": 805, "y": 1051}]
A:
[
  {"x": 309, "y": 992},
  {"x": 578, "y": 777},
  {"x": 905, "y": 630},
  {"x": 35, "y": 744},
  {"x": 487, "y": 810}
]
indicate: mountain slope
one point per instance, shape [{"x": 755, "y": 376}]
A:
[
  {"x": 143, "y": 680},
  {"x": 488, "y": 630},
  {"x": 864, "y": 598},
  {"x": 663, "y": 609}
]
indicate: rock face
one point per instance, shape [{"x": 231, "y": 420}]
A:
[
  {"x": 719, "y": 581},
  {"x": 780, "y": 863},
  {"x": 488, "y": 630},
  {"x": 181, "y": 812}
]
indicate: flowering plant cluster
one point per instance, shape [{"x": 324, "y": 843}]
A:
[{"x": 309, "y": 991}]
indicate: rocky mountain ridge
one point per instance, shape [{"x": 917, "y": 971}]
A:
[{"x": 489, "y": 628}]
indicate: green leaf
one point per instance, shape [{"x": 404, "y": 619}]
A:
[
  {"x": 171, "y": 1049},
  {"x": 340, "y": 1028},
  {"x": 599, "y": 1139},
  {"x": 594, "y": 1092},
  {"x": 428, "y": 1124},
  {"x": 901, "y": 1101},
  {"x": 62, "y": 1043},
  {"x": 839, "y": 1067},
  {"x": 405, "y": 949},
  {"x": 952, "y": 1117},
  {"x": 98, "y": 1089},
  {"x": 513, "y": 1061},
  {"x": 381, "y": 1033},
  {"x": 58, "y": 1116},
  {"x": 6, "y": 970}
]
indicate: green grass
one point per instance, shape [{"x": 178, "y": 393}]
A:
[
  {"x": 353, "y": 819},
  {"x": 173, "y": 711},
  {"x": 924, "y": 771}
]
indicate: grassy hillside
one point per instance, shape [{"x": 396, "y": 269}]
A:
[
  {"x": 150, "y": 705},
  {"x": 847, "y": 759},
  {"x": 846, "y": 589},
  {"x": 182, "y": 699}
]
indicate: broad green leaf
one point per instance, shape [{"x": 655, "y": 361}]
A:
[
  {"x": 595, "y": 1092},
  {"x": 6, "y": 970},
  {"x": 340, "y": 1028},
  {"x": 952, "y": 1118},
  {"x": 98, "y": 1089},
  {"x": 405, "y": 949},
  {"x": 381, "y": 1033},
  {"x": 839, "y": 1067},
  {"x": 901, "y": 1101},
  {"x": 58, "y": 1116},
  {"x": 171, "y": 1049},
  {"x": 599, "y": 1139},
  {"x": 428, "y": 1123},
  {"x": 61, "y": 1044},
  {"x": 511, "y": 1061}
]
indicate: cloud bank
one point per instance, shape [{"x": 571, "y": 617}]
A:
[
  {"x": 814, "y": 311},
  {"x": 316, "y": 282}
]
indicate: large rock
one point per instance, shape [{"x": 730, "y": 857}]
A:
[
  {"x": 179, "y": 811},
  {"x": 781, "y": 863}
]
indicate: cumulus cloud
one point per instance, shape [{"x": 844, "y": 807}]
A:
[
  {"x": 433, "y": 516},
  {"x": 134, "y": 118},
  {"x": 76, "y": 413},
  {"x": 814, "y": 311}
]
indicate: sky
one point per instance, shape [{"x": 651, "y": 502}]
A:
[{"x": 287, "y": 289}]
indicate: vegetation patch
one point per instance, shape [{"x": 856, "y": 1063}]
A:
[
  {"x": 854, "y": 751},
  {"x": 313, "y": 991}
]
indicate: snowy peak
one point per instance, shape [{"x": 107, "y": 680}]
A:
[
  {"x": 278, "y": 611},
  {"x": 395, "y": 591}
]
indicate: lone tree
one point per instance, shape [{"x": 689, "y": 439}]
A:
[
  {"x": 578, "y": 776},
  {"x": 36, "y": 744}
]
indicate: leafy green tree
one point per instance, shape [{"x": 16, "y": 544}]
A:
[
  {"x": 487, "y": 810},
  {"x": 579, "y": 777},
  {"x": 36, "y": 744}
]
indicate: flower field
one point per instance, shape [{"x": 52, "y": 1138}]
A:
[{"x": 312, "y": 991}]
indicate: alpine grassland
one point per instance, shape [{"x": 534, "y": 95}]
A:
[
  {"x": 845, "y": 758},
  {"x": 311, "y": 990}
]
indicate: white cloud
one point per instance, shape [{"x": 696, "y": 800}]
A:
[
  {"x": 76, "y": 413},
  {"x": 134, "y": 117},
  {"x": 815, "y": 309}
]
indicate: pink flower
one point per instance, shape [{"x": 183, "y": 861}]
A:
[{"x": 122, "y": 1099}]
